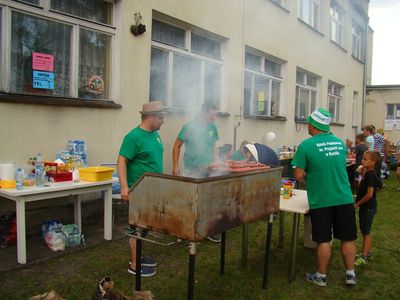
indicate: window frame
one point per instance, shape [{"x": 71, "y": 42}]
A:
[
  {"x": 43, "y": 11},
  {"x": 309, "y": 88},
  {"x": 396, "y": 108},
  {"x": 187, "y": 51},
  {"x": 338, "y": 100},
  {"x": 262, "y": 72},
  {"x": 315, "y": 6},
  {"x": 281, "y": 3},
  {"x": 335, "y": 12},
  {"x": 357, "y": 39}
]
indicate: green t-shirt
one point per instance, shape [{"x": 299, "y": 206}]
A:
[
  {"x": 144, "y": 151},
  {"x": 323, "y": 158},
  {"x": 199, "y": 142},
  {"x": 237, "y": 155}
]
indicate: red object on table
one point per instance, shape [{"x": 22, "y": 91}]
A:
[{"x": 60, "y": 176}]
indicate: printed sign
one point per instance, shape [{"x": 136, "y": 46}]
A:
[
  {"x": 96, "y": 85},
  {"x": 43, "y": 80},
  {"x": 42, "y": 62}
]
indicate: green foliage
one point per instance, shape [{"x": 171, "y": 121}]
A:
[{"x": 75, "y": 275}]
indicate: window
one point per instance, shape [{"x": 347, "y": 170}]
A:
[
  {"x": 393, "y": 111},
  {"x": 357, "y": 41},
  {"x": 337, "y": 24},
  {"x": 335, "y": 101},
  {"x": 185, "y": 66},
  {"x": 69, "y": 58},
  {"x": 306, "y": 94},
  {"x": 280, "y": 3},
  {"x": 262, "y": 85},
  {"x": 35, "y": 2},
  {"x": 354, "y": 108},
  {"x": 309, "y": 12}
]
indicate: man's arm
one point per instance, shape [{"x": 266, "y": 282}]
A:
[
  {"x": 299, "y": 174},
  {"x": 121, "y": 169},
  {"x": 175, "y": 157}
]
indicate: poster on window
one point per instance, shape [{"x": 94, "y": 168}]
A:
[
  {"x": 42, "y": 62},
  {"x": 43, "y": 80}
]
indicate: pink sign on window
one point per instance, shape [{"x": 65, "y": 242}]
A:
[{"x": 42, "y": 62}]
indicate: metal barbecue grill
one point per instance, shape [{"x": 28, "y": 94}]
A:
[{"x": 194, "y": 208}]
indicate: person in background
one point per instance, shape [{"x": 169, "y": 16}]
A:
[
  {"x": 359, "y": 150},
  {"x": 239, "y": 154},
  {"x": 141, "y": 151},
  {"x": 349, "y": 146},
  {"x": 262, "y": 154},
  {"x": 225, "y": 152},
  {"x": 329, "y": 195},
  {"x": 368, "y": 132},
  {"x": 366, "y": 202},
  {"x": 199, "y": 137},
  {"x": 379, "y": 145}
]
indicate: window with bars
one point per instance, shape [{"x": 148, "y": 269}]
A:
[
  {"x": 263, "y": 80},
  {"x": 306, "y": 94},
  {"x": 74, "y": 35},
  {"x": 335, "y": 101},
  {"x": 186, "y": 66}
]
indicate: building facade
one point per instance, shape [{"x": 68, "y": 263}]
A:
[{"x": 72, "y": 69}]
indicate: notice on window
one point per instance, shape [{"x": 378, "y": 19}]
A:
[
  {"x": 389, "y": 124},
  {"x": 42, "y": 62},
  {"x": 43, "y": 80}
]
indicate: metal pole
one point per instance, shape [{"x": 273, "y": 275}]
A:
[
  {"x": 222, "y": 263},
  {"x": 245, "y": 230},
  {"x": 267, "y": 251},
  {"x": 192, "y": 260},
  {"x": 138, "y": 264}
]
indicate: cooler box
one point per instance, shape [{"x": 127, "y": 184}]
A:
[{"x": 96, "y": 173}]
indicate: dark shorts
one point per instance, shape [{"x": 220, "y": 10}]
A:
[
  {"x": 366, "y": 216},
  {"x": 337, "y": 220}
]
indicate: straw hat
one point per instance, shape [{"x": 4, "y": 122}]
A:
[
  {"x": 153, "y": 108},
  {"x": 320, "y": 119}
]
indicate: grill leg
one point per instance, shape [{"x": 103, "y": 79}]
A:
[
  {"x": 138, "y": 264},
  {"x": 192, "y": 260},
  {"x": 222, "y": 263},
  {"x": 267, "y": 251}
]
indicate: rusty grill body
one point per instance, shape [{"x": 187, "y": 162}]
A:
[{"x": 194, "y": 208}]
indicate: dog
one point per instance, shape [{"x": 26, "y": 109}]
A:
[{"x": 105, "y": 291}]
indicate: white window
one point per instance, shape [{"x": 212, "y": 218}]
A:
[
  {"x": 306, "y": 94},
  {"x": 186, "y": 66},
  {"x": 59, "y": 48},
  {"x": 357, "y": 41},
  {"x": 337, "y": 24},
  {"x": 354, "y": 108},
  {"x": 335, "y": 101},
  {"x": 393, "y": 111},
  {"x": 282, "y": 3},
  {"x": 309, "y": 11},
  {"x": 262, "y": 85}
]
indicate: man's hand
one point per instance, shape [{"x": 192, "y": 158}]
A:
[
  {"x": 124, "y": 193},
  {"x": 175, "y": 171}
]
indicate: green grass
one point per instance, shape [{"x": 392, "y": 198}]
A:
[{"x": 74, "y": 275}]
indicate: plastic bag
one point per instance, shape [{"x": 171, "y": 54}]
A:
[
  {"x": 56, "y": 240},
  {"x": 52, "y": 225},
  {"x": 73, "y": 235}
]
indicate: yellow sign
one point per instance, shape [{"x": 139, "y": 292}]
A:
[{"x": 261, "y": 96}]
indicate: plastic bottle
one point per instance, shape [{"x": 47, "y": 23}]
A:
[
  {"x": 39, "y": 170},
  {"x": 19, "y": 177},
  {"x": 287, "y": 187}
]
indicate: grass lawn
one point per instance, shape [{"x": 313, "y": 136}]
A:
[{"x": 75, "y": 275}]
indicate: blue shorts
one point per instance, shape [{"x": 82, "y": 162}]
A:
[{"x": 366, "y": 216}]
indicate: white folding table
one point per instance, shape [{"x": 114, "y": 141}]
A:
[
  {"x": 298, "y": 205},
  {"x": 56, "y": 190}
]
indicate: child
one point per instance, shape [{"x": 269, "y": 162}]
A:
[{"x": 366, "y": 201}]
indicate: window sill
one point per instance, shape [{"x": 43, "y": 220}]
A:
[
  {"x": 357, "y": 59},
  {"x": 337, "y": 124},
  {"x": 275, "y": 118},
  {"x": 280, "y": 6},
  {"x": 339, "y": 46},
  {"x": 309, "y": 26},
  {"x": 57, "y": 101},
  {"x": 354, "y": 126},
  {"x": 182, "y": 111}
]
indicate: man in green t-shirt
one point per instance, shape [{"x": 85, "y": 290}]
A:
[
  {"x": 321, "y": 161},
  {"x": 141, "y": 151},
  {"x": 199, "y": 137}
]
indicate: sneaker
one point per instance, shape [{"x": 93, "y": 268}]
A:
[
  {"x": 314, "y": 278},
  {"x": 361, "y": 261},
  {"x": 369, "y": 256},
  {"x": 146, "y": 262},
  {"x": 214, "y": 238},
  {"x": 350, "y": 279},
  {"x": 146, "y": 271}
]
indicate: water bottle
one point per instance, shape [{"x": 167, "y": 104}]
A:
[
  {"x": 39, "y": 170},
  {"x": 19, "y": 177}
]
